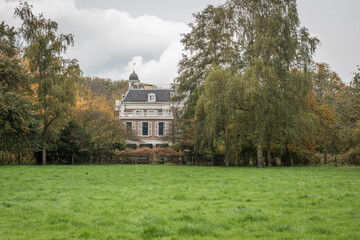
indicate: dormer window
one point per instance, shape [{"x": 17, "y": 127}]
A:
[{"x": 151, "y": 97}]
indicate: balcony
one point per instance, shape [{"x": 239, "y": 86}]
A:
[{"x": 151, "y": 115}]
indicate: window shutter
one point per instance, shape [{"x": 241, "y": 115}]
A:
[
  {"x": 157, "y": 129},
  {"x": 140, "y": 129},
  {"x": 150, "y": 128},
  {"x": 133, "y": 125},
  {"x": 166, "y": 128}
]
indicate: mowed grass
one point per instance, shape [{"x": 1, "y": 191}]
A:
[{"x": 177, "y": 202}]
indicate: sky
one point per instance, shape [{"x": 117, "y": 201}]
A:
[{"x": 111, "y": 35}]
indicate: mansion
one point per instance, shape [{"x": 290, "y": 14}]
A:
[{"x": 147, "y": 113}]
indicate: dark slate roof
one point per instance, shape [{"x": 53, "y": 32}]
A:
[
  {"x": 133, "y": 76},
  {"x": 141, "y": 95}
]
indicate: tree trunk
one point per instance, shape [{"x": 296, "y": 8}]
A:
[
  {"x": 269, "y": 157},
  {"x": 91, "y": 159},
  {"x": 72, "y": 159},
  {"x": 44, "y": 151},
  {"x": 212, "y": 158},
  {"x": 325, "y": 157},
  {"x": 259, "y": 151}
]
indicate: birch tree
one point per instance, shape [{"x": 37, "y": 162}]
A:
[
  {"x": 263, "y": 45},
  {"x": 54, "y": 76}
]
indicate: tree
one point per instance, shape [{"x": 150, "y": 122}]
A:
[
  {"x": 54, "y": 76},
  {"x": 329, "y": 93},
  {"x": 262, "y": 44},
  {"x": 72, "y": 141},
  {"x": 18, "y": 124},
  {"x": 211, "y": 112},
  {"x": 94, "y": 115},
  {"x": 350, "y": 116}
]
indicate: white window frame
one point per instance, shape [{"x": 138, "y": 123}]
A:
[
  {"x": 140, "y": 129},
  {"x": 151, "y": 97},
  {"x": 139, "y": 112},
  {"x": 133, "y": 126},
  {"x": 151, "y": 112},
  {"x": 166, "y": 129},
  {"x": 166, "y": 111}
]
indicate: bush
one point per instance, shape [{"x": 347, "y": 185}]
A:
[{"x": 153, "y": 156}]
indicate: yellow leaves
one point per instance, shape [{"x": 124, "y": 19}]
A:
[
  {"x": 81, "y": 103},
  {"x": 94, "y": 102}
]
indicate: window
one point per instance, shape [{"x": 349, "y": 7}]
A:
[
  {"x": 139, "y": 112},
  {"x": 151, "y": 97},
  {"x": 145, "y": 129},
  {"x": 151, "y": 112},
  {"x": 161, "y": 128},
  {"x": 128, "y": 126},
  {"x": 166, "y": 111}
]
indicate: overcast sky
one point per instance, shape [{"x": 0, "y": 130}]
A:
[{"x": 110, "y": 35}]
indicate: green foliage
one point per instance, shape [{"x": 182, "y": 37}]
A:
[
  {"x": 112, "y": 90},
  {"x": 18, "y": 125},
  {"x": 55, "y": 77},
  {"x": 72, "y": 141},
  {"x": 265, "y": 90}
]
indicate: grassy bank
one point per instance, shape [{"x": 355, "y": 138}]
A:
[{"x": 176, "y": 202}]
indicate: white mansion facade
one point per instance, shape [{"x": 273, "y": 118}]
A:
[{"x": 147, "y": 113}]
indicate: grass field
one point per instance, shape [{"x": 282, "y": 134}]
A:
[{"x": 176, "y": 202}]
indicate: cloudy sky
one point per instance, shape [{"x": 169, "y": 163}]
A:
[{"x": 110, "y": 35}]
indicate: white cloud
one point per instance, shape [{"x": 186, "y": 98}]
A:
[
  {"x": 108, "y": 41},
  {"x": 160, "y": 72}
]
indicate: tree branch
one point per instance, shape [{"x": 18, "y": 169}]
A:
[
  {"x": 240, "y": 107},
  {"x": 49, "y": 123}
]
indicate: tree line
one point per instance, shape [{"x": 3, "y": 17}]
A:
[
  {"x": 49, "y": 112},
  {"x": 253, "y": 94}
]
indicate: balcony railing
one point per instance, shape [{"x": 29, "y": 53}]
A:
[{"x": 146, "y": 115}]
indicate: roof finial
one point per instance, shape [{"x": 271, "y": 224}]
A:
[{"x": 134, "y": 67}]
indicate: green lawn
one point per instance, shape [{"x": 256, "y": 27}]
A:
[{"x": 176, "y": 202}]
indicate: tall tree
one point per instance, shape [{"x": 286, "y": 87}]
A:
[
  {"x": 264, "y": 45},
  {"x": 329, "y": 93},
  {"x": 103, "y": 130},
  {"x": 55, "y": 76},
  {"x": 211, "y": 112},
  {"x": 17, "y": 121}
]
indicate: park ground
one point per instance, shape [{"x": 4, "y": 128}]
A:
[{"x": 178, "y": 202}]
